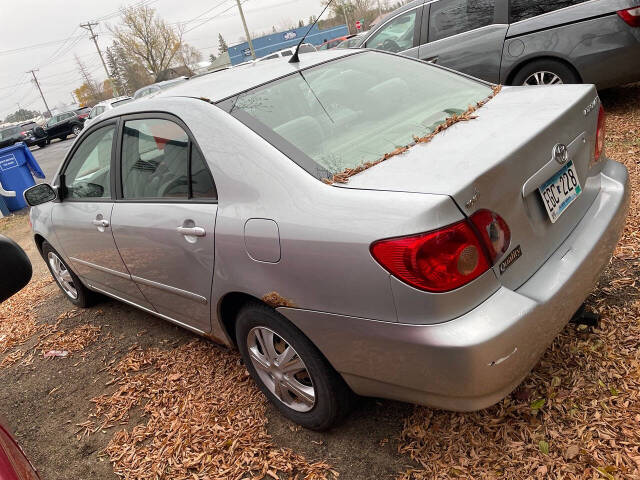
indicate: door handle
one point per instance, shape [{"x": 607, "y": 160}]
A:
[
  {"x": 100, "y": 223},
  {"x": 192, "y": 231}
]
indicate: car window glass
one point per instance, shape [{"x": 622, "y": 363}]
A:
[
  {"x": 384, "y": 101},
  {"x": 452, "y": 17},
  {"x": 304, "y": 48},
  {"x": 524, "y": 9},
  {"x": 87, "y": 174},
  {"x": 155, "y": 156},
  {"x": 287, "y": 53},
  {"x": 202, "y": 185},
  {"x": 397, "y": 35}
]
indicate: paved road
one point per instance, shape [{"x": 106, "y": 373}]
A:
[{"x": 50, "y": 157}]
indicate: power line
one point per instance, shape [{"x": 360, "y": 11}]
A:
[
  {"x": 37, "y": 45},
  {"x": 208, "y": 19}
]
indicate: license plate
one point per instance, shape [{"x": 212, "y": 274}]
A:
[{"x": 560, "y": 191}]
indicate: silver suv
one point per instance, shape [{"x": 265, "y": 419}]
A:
[{"x": 520, "y": 42}]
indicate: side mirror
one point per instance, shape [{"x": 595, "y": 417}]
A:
[
  {"x": 15, "y": 266},
  {"x": 39, "y": 194}
]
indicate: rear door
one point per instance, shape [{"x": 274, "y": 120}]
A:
[
  {"x": 466, "y": 35},
  {"x": 164, "y": 218},
  {"x": 400, "y": 34},
  {"x": 82, "y": 221}
]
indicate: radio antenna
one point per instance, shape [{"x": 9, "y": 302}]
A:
[{"x": 295, "y": 58}]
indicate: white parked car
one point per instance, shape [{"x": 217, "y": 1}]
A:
[
  {"x": 105, "y": 106},
  {"x": 288, "y": 52}
]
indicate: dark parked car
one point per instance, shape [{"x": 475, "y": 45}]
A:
[
  {"x": 10, "y": 135},
  {"x": 83, "y": 112},
  {"x": 520, "y": 42},
  {"x": 34, "y": 134},
  {"x": 64, "y": 124}
]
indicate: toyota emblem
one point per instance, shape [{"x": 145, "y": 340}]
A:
[{"x": 560, "y": 153}]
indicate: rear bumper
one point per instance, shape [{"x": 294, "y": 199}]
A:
[{"x": 477, "y": 359}]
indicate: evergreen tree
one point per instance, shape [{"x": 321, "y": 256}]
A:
[
  {"x": 222, "y": 45},
  {"x": 300, "y": 23}
]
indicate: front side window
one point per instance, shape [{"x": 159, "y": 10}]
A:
[
  {"x": 452, "y": 17},
  {"x": 155, "y": 162},
  {"x": 397, "y": 35},
  {"x": 354, "y": 110},
  {"x": 88, "y": 173},
  {"x": 524, "y": 9}
]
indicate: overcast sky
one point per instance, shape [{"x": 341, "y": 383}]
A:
[{"x": 27, "y": 26}]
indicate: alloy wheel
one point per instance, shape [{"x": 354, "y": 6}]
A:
[
  {"x": 281, "y": 369},
  {"x": 543, "y": 78},
  {"x": 62, "y": 275},
  {"x": 76, "y": 130}
]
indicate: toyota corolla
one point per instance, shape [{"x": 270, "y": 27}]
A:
[{"x": 358, "y": 222}]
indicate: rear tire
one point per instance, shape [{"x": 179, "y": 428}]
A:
[
  {"x": 77, "y": 130},
  {"x": 66, "y": 279},
  {"x": 42, "y": 144},
  {"x": 324, "y": 397},
  {"x": 545, "y": 71}
]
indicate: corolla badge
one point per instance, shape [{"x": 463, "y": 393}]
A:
[
  {"x": 589, "y": 108},
  {"x": 560, "y": 153}
]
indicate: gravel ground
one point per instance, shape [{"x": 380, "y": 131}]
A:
[{"x": 127, "y": 401}]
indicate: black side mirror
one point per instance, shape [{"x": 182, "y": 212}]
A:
[
  {"x": 15, "y": 267},
  {"x": 39, "y": 194}
]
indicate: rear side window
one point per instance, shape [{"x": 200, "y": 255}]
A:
[
  {"x": 524, "y": 9},
  {"x": 452, "y": 17},
  {"x": 155, "y": 162}
]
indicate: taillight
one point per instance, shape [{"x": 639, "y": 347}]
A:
[
  {"x": 494, "y": 231},
  {"x": 600, "y": 134},
  {"x": 447, "y": 258},
  {"x": 631, "y": 16}
]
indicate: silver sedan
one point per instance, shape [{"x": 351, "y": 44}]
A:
[{"x": 359, "y": 222}]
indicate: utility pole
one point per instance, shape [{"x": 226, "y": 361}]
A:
[
  {"x": 246, "y": 30},
  {"x": 89, "y": 26},
  {"x": 35, "y": 80}
]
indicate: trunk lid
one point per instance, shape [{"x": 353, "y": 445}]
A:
[{"x": 498, "y": 160}]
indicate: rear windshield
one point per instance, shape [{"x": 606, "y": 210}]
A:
[{"x": 354, "y": 110}]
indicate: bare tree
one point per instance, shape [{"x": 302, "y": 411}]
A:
[
  {"x": 149, "y": 38},
  {"x": 190, "y": 57}
]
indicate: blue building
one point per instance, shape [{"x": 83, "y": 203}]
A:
[{"x": 281, "y": 40}]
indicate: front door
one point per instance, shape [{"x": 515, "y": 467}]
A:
[
  {"x": 467, "y": 36},
  {"x": 83, "y": 219},
  {"x": 164, "y": 220}
]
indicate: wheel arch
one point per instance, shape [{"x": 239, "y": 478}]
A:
[
  {"x": 228, "y": 308},
  {"x": 39, "y": 240},
  {"x": 526, "y": 61}
]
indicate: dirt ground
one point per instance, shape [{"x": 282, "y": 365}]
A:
[{"x": 48, "y": 401}]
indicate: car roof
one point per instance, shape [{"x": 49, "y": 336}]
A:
[
  {"x": 110, "y": 101},
  {"x": 227, "y": 83}
]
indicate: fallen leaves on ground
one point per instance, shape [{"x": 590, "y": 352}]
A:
[
  {"x": 577, "y": 415},
  {"x": 205, "y": 419},
  {"x": 74, "y": 340},
  {"x": 18, "y": 322}
]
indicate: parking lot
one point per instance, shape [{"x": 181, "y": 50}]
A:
[{"x": 140, "y": 398}]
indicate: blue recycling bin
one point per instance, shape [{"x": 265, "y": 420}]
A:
[{"x": 17, "y": 169}]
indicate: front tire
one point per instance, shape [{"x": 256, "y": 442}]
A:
[
  {"x": 290, "y": 370},
  {"x": 77, "y": 130},
  {"x": 66, "y": 279},
  {"x": 545, "y": 72}
]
